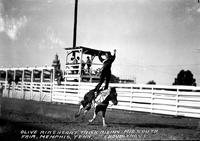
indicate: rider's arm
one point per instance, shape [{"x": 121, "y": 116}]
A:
[
  {"x": 100, "y": 58},
  {"x": 114, "y": 56}
]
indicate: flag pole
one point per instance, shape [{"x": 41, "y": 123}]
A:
[{"x": 75, "y": 23}]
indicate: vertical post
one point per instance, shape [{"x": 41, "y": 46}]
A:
[
  {"x": 75, "y": 23},
  {"x": 66, "y": 59},
  {"x": 152, "y": 99},
  {"x": 8, "y": 88},
  {"x": 22, "y": 84},
  {"x": 52, "y": 83},
  {"x": 32, "y": 73},
  {"x": 177, "y": 102},
  {"x": 66, "y": 66},
  {"x": 41, "y": 84},
  {"x": 80, "y": 65},
  {"x": 14, "y": 84},
  {"x": 6, "y": 81},
  {"x": 131, "y": 98},
  {"x": 80, "y": 73},
  {"x": 1, "y": 95}
]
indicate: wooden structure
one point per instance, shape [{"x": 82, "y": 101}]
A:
[
  {"x": 77, "y": 66},
  {"x": 27, "y": 82}
]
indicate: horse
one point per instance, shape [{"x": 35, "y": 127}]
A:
[
  {"x": 101, "y": 102},
  {"x": 87, "y": 101}
]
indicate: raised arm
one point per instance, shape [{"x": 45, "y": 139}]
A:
[{"x": 113, "y": 57}]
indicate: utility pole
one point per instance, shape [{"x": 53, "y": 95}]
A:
[{"x": 75, "y": 23}]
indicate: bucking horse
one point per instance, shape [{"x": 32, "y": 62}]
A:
[{"x": 100, "y": 102}]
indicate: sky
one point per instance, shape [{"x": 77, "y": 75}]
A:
[{"x": 154, "y": 39}]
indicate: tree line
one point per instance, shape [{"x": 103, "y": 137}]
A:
[{"x": 184, "y": 77}]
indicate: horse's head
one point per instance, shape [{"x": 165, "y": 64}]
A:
[{"x": 113, "y": 95}]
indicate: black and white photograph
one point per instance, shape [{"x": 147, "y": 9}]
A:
[{"x": 99, "y": 70}]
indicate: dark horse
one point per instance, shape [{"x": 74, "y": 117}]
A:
[{"x": 86, "y": 103}]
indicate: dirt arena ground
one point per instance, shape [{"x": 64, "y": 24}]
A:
[{"x": 28, "y": 125}]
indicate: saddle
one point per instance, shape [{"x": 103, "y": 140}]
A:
[{"x": 101, "y": 96}]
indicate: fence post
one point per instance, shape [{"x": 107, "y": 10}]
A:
[
  {"x": 22, "y": 85},
  {"x": 12, "y": 88},
  {"x": 14, "y": 84},
  {"x": 31, "y": 95},
  {"x": 79, "y": 90},
  {"x": 1, "y": 95},
  {"x": 6, "y": 83},
  {"x": 131, "y": 99},
  {"x": 41, "y": 83},
  {"x": 152, "y": 99},
  {"x": 52, "y": 84},
  {"x": 177, "y": 101}
]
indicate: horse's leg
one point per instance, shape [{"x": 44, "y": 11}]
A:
[
  {"x": 85, "y": 112},
  {"x": 79, "y": 111},
  {"x": 103, "y": 118},
  {"x": 94, "y": 116}
]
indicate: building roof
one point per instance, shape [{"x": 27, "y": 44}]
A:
[{"x": 87, "y": 50}]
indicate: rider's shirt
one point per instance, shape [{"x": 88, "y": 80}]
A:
[{"x": 107, "y": 63}]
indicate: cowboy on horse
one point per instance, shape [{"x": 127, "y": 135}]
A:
[
  {"x": 105, "y": 74},
  {"x": 106, "y": 70},
  {"x": 97, "y": 97},
  {"x": 101, "y": 102}
]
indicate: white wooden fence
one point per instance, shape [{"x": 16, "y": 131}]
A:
[
  {"x": 29, "y": 91},
  {"x": 170, "y": 100}
]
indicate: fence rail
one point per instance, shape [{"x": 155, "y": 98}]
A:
[{"x": 170, "y": 100}]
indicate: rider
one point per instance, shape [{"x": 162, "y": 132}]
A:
[{"x": 106, "y": 70}]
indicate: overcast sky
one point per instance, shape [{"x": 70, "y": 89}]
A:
[{"x": 154, "y": 39}]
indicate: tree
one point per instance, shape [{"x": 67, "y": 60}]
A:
[
  {"x": 152, "y": 82},
  {"x": 185, "y": 78}
]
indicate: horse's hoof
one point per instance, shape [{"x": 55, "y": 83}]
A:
[
  {"x": 90, "y": 120},
  {"x": 105, "y": 125}
]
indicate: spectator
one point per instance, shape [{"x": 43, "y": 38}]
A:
[
  {"x": 74, "y": 61},
  {"x": 89, "y": 63},
  {"x": 82, "y": 65}
]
